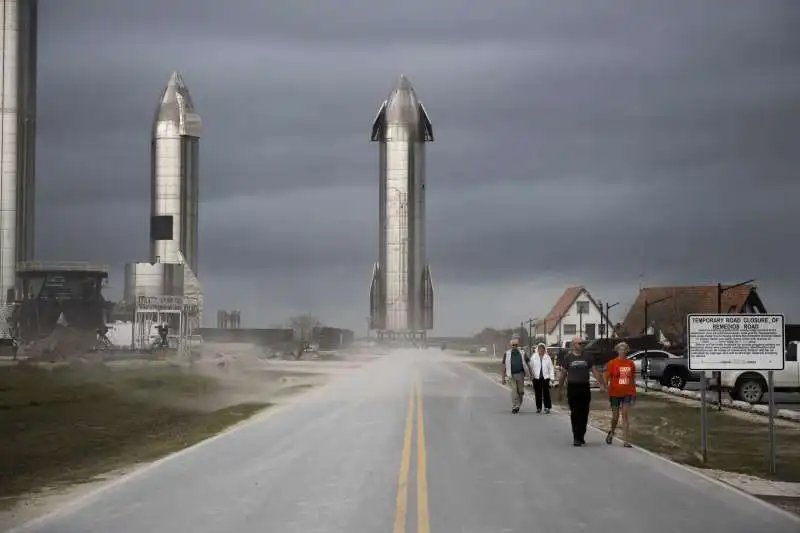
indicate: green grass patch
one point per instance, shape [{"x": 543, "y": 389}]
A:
[{"x": 68, "y": 424}]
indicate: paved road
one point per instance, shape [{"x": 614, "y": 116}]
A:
[{"x": 442, "y": 432}]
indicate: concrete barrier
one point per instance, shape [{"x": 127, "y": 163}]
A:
[
  {"x": 711, "y": 398},
  {"x": 788, "y": 414}
]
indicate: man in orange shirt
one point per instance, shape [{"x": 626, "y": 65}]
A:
[{"x": 621, "y": 379}]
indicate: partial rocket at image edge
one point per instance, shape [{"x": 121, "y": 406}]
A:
[
  {"x": 427, "y": 299},
  {"x": 377, "y": 320}
]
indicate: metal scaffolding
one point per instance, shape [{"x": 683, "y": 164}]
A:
[
  {"x": 180, "y": 313},
  {"x": 7, "y": 325}
]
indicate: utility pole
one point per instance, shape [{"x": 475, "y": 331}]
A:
[
  {"x": 717, "y": 373},
  {"x": 544, "y": 328},
  {"x": 647, "y": 306},
  {"x": 607, "y": 320},
  {"x": 530, "y": 335}
]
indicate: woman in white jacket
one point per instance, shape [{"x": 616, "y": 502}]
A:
[{"x": 543, "y": 374}]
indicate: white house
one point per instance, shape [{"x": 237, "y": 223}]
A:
[{"x": 575, "y": 313}]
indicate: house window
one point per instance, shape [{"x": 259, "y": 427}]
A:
[
  {"x": 570, "y": 329},
  {"x": 601, "y": 329},
  {"x": 583, "y": 308}
]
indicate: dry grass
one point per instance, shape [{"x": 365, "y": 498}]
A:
[
  {"x": 672, "y": 429},
  {"x": 66, "y": 424}
]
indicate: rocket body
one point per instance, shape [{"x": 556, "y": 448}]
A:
[
  {"x": 18, "y": 39},
  {"x": 401, "y": 293},
  {"x": 174, "y": 188}
]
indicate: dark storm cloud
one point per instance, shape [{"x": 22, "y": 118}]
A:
[{"x": 575, "y": 143}]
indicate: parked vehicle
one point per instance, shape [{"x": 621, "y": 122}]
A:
[
  {"x": 668, "y": 369},
  {"x": 602, "y": 350},
  {"x": 750, "y": 386}
]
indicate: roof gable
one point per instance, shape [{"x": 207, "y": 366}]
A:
[
  {"x": 563, "y": 305},
  {"x": 669, "y": 315}
]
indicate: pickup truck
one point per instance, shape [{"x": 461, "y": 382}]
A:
[{"x": 750, "y": 386}]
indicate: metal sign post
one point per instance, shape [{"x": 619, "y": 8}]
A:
[
  {"x": 735, "y": 342},
  {"x": 773, "y": 459},
  {"x": 703, "y": 419}
]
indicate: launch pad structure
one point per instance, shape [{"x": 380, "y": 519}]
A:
[
  {"x": 416, "y": 339},
  {"x": 180, "y": 313}
]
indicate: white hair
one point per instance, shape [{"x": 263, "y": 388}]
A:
[{"x": 622, "y": 346}]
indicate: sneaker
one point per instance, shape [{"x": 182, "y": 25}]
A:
[
  {"x": 577, "y": 443},
  {"x": 538, "y": 411},
  {"x": 609, "y": 438},
  {"x": 515, "y": 410},
  {"x": 547, "y": 411},
  {"x": 627, "y": 445}
]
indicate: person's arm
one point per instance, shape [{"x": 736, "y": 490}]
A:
[
  {"x": 597, "y": 375},
  {"x": 563, "y": 376},
  {"x": 503, "y": 380}
]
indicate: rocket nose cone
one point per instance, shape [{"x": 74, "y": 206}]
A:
[
  {"x": 403, "y": 84},
  {"x": 401, "y": 105},
  {"x": 175, "y": 79},
  {"x": 176, "y": 107},
  {"x": 176, "y": 93}
]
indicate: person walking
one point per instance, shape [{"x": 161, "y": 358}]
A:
[
  {"x": 575, "y": 371},
  {"x": 516, "y": 364},
  {"x": 621, "y": 378},
  {"x": 543, "y": 375}
]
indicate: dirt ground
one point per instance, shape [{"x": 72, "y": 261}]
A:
[
  {"x": 69, "y": 423},
  {"x": 672, "y": 428}
]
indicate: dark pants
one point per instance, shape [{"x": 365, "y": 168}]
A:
[
  {"x": 541, "y": 389},
  {"x": 579, "y": 397}
]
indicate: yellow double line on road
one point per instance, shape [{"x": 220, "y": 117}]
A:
[{"x": 423, "y": 513}]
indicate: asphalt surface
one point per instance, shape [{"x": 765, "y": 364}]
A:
[{"x": 333, "y": 462}]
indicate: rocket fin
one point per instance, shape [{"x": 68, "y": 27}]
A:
[
  {"x": 377, "y": 306},
  {"x": 427, "y": 299},
  {"x": 427, "y": 127},
  {"x": 378, "y": 123}
]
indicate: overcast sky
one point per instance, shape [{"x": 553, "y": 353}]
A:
[{"x": 606, "y": 143}]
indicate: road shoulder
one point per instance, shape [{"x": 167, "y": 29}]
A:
[{"x": 668, "y": 427}]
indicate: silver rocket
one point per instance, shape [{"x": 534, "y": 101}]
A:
[
  {"x": 401, "y": 293},
  {"x": 174, "y": 187},
  {"x": 17, "y": 139}
]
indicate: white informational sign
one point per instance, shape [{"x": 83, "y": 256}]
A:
[{"x": 735, "y": 342}]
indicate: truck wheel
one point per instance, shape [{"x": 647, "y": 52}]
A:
[
  {"x": 673, "y": 378},
  {"x": 750, "y": 390}
]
